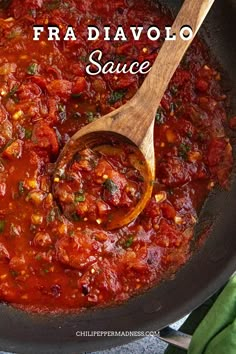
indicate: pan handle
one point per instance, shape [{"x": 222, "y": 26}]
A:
[{"x": 174, "y": 337}]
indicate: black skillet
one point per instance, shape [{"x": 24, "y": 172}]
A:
[{"x": 207, "y": 271}]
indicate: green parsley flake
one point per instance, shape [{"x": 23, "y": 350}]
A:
[
  {"x": 110, "y": 186},
  {"x": 116, "y": 96},
  {"x": 32, "y": 69}
]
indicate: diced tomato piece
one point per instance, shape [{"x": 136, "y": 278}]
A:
[
  {"x": 76, "y": 252},
  {"x": 18, "y": 263},
  {"x": 169, "y": 235},
  {"x": 206, "y": 73},
  {"x": 79, "y": 86},
  {"x": 174, "y": 172},
  {"x": 186, "y": 127},
  {"x": 78, "y": 69},
  {"x": 60, "y": 88},
  {"x": 84, "y": 165},
  {"x": 181, "y": 77},
  {"x": 29, "y": 91},
  {"x": 64, "y": 193},
  {"x": 168, "y": 210},
  {"x": 152, "y": 209},
  {"x": 88, "y": 207},
  {"x": 103, "y": 208},
  {"x": 40, "y": 81},
  {"x": 125, "y": 200},
  {"x": 216, "y": 151},
  {"x": 45, "y": 137},
  {"x": 99, "y": 85},
  {"x": 202, "y": 85},
  {"x": 42, "y": 239},
  {"x": 100, "y": 236},
  {"x": 14, "y": 150},
  {"x": 108, "y": 280},
  {"x": 208, "y": 104}
]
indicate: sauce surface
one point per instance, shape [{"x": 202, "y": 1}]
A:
[
  {"x": 49, "y": 262},
  {"x": 102, "y": 183}
]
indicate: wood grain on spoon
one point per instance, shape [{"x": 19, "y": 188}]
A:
[{"x": 134, "y": 120}]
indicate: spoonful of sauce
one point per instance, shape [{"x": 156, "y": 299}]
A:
[{"x": 105, "y": 172}]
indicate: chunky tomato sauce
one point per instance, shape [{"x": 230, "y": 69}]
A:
[
  {"x": 47, "y": 260},
  {"x": 102, "y": 183}
]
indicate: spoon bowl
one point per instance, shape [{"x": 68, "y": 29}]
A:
[{"x": 103, "y": 139}]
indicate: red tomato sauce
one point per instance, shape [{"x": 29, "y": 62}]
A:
[
  {"x": 102, "y": 183},
  {"x": 49, "y": 262}
]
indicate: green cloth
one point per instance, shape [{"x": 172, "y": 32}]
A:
[
  {"x": 215, "y": 321},
  {"x": 216, "y": 334}
]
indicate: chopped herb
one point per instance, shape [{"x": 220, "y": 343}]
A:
[
  {"x": 189, "y": 134},
  {"x": 71, "y": 233},
  {"x": 185, "y": 62},
  {"x": 174, "y": 90},
  {"x": 51, "y": 216},
  {"x": 110, "y": 186},
  {"x": 61, "y": 107},
  {"x": 183, "y": 150},
  {"x": 83, "y": 58},
  {"x": 32, "y": 12},
  {"x": 46, "y": 270},
  {"x": 62, "y": 111},
  {"x": 75, "y": 217},
  {"x": 120, "y": 57},
  {"x": 172, "y": 108},
  {"x": 38, "y": 257},
  {"x": 21, "y": 187},
  {"x": 32, "y": 69},
  {"x": 178, "y": 105},
  {"x": 54, "y": 214},
  {"x": 76, "y": 95},
  {"x": 14, "y": 273},
  {"x": 12, "y": 94},
  {"x": 201, "y": 136},
  {"x": 13, "y": 34},
  {"x": 28, "y": 133},
  {"x": 2, "y": 225},
  {"x": 8, "y": 144},
  {"x": 79, "y": 197},
  {"x": 116, "y": 96},
  {"x": 160, "y": 118},
  {"x": 76, "y": 115},
  {"x": 153, "y": 182},
  {"x": 90, "y": 116},
  {"x": 170, "y": 191},
  {"x": 53, "y": 4},
  {"x": 129, "y": 241}
]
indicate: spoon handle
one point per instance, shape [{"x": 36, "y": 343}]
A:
[
  {"x": 148, "y": 97},
  {"x": 193, "y": 14}
]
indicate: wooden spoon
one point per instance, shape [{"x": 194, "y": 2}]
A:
[{"x": 134, "y": 121}]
